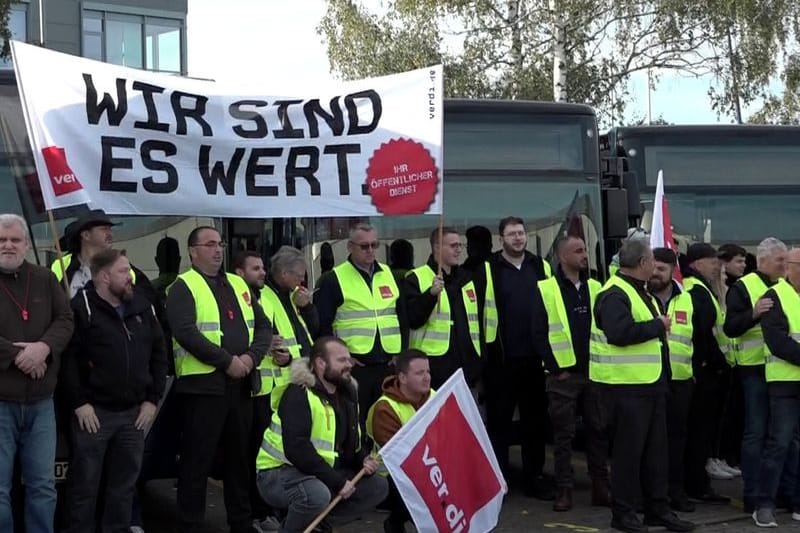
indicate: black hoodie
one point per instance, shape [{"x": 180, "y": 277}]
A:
[{"x": 114, "y": 362}]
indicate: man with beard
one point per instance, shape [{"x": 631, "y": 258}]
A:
[
  {"x": 563, "y": 321},
  {"x": 312, "y": 449},
  {"x": 219, "y": 338},
  {"x": 35, "y": 329},
  {"x": 514, "y": 375},
  {"x": 114, "y": 375},
  {"x": 443, "y": 311}
]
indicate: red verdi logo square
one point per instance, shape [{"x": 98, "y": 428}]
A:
[
  {"x": 62, "y": 177},
  {"x": 386, "y": 291},
  {"x": 450, "y": 470}
]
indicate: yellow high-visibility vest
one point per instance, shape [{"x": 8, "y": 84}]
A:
[
  {"x": 559, "y": 333},
  {"x": 723, "y": 341},
  {"x": 625, "y": 365},
  {"x": 433, "y": 338},
  {"x": 365, "y": 312},
  {"x": 681, "y": 310},
  {"x": 749, "y": 347},
  {"x": 778, "y": 369},
  {"x": 208, "y": 321}
]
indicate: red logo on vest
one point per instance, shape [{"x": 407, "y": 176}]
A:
[
  {"x": 386, "y": 291},
  {"x": 471, "y": 295},
  {"x": 681, "y": 318},
  {"x": 246, "y": 296},
  {"x": 61, "y": 175}
]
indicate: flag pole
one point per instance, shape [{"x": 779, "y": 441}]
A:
[
  {"x": 60, "y": 257},
  {"x": 334, "y": 503},
  {"x": 439, "y": 259}
]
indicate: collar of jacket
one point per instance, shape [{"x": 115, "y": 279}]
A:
[{"x": 301, "y": 374}]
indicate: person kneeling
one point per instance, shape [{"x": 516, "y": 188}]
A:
[{"x": 312, "y": 448}]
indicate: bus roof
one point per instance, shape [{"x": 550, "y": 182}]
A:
[
  {"x": 725, "y": 130},
  {"x": 465, "y": 105}
]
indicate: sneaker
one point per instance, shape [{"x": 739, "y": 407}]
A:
[
  {"x": 796, "y": 516},
  {"x": 715, "y": 472},
  {"x": 732, "y": 470},
  {"x": 764, "y": 517},
  {"x": 136, "y": 529},
  {"x": 269, "y": 525}
]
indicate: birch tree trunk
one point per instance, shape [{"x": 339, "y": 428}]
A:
[{"x": 559, "y": 53}]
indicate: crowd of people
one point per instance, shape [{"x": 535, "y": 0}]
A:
[{"x": 691, "y": 351}]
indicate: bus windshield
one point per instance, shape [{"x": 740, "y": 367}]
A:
[{"x": 727, "y": 184}]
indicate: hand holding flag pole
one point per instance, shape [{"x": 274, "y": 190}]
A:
[{"x": 334, "y": 503}]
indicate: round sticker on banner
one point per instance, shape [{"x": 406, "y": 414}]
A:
[{"x": 402, "y": 178}]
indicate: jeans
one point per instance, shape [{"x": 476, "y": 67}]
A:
[
  {"x": 678, "y": 408},
  {"x": 784, "y": 413},
  {"x": 304, "y": 496},
  {"x": 756, "y": 417},
  {"x": 117, "y": 448},
  {"x": 29, "y": 428}
]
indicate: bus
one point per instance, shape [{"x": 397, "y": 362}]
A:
[{"x": 724, "y": 184}]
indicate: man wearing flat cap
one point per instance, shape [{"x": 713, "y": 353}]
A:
[{"x": 710, "y": 369}]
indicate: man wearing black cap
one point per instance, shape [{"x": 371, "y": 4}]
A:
[
  {"x": 84, "y": 237},
  {"x": 709, "y": 367}
]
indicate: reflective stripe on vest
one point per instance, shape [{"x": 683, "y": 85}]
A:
[
  {"x": 489, "y": 307},
  {"x": 625, "y": 365},
  {"x": 323, "y": 435},
  {"x": 55, "y": 268},
  {"x": 364, "y": 312},
  {"x": 271, "y": 374},
  {"x": 725, "y": 344},
  {"x": 404, "y": 412},
  {"x": 778, "y": 369},
  {"x": 680, "y": 311},
  {"x": 207, "y": 319},
  {"x": 433, "y": 338},
  {"x": 559, "y": 333},
  {"x": 749, "y": 348}
]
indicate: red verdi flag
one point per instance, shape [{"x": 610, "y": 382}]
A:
[{"x": 444, "y": 466}]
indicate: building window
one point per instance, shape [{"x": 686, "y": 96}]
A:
[
  {"x": 152, "y": 43},
  {"x": 18, "y": 25}
]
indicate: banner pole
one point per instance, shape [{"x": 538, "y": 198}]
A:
[
  {"x": 439, "y": 259},
  {"x": 334, "y": 503},
  {"x": 60, "y": 257}
]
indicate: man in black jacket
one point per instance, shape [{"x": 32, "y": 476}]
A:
[
  {"x": 213, "y": 366},
  {"x": 313, "y": 447},
  {"x": 514, "y": 375},
  {"x": 630, "y": 360},
  {"x": 455, "y": 343},
  {"x": 114, "y": 375}
]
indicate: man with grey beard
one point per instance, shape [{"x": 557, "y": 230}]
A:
[{"x": 36, "y": 327}]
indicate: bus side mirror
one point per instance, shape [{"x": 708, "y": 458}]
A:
[
  {"x": 615, "y": 209},
  {"x": 631, "y": 183}
]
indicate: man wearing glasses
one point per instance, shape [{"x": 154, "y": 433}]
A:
[
  {"x": 219, "y": 337},
  {"x": 443, "y": 311},
  {"x": 359, "y": 303}
]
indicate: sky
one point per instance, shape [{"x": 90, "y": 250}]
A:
[{"x": 276, "y": 42}]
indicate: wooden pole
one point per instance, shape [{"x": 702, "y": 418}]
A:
[
  {"x": 333, "y": 504},
  {"x": 439, "y": 260},
  {"x": 60, "y": 257}
]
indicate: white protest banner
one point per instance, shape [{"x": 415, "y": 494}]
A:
[
  {"x": 443, "y": 464},
  {"x": 142, "y": 143}
]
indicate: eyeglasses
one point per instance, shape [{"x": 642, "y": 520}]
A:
[
  {"x": 212, "y": 244},
  {"x": 366, "y": 245}
]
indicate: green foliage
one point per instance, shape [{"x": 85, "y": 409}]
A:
[
  {"x": 5, "y": 33},
  {"x": 506, "y": 48}
]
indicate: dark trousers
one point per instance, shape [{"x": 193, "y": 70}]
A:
[
  {"x": 756, "y": 418},
  {"x": 707, "y": 410},
  {"x": 262, "y": 414},
  {"x": 116, "y": 450},
  {"x": 730, "y": 448},
  {"x": 211, "y": 421},
  {"x": 398, "y": 512},
  {"x": 784, "y": 413},
  {"x": 639, "y": 456},
  {"x": 566, "y": 398},
  {"x": 517, "y": 382},
  {"x": 678, "y": 405},
  {"x": 370, "y": 387}
]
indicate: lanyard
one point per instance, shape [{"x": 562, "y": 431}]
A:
[{"x": 23, "y": 309}]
